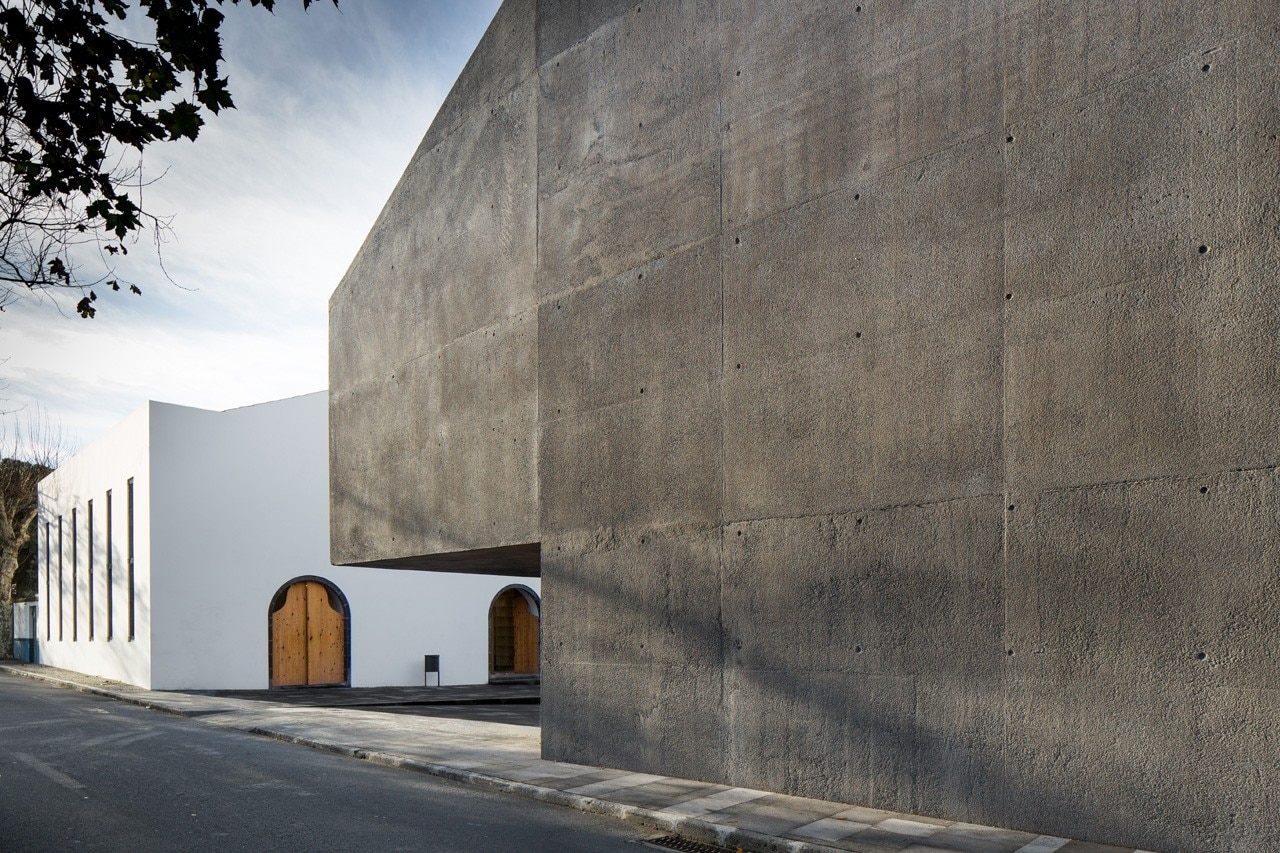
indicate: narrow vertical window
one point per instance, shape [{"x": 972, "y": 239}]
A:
[
  {"x": 88, "y": 511},
  {"x": 129, "y": 522},
  {"x": 48, "y": 588},
  {"x": 111, "y": 613},
  {"x": 62, "y": 588},
  {"x": 75, "y": 577}
]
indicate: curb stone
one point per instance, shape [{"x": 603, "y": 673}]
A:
[
  {"x": 688, "y": 827},
  {"x": 96, "y": 691}
]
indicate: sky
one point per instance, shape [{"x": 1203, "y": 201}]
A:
[{"x": 269, "y": 207}]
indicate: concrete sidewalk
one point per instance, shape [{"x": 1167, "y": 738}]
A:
[{"x": 506, "y": 758}]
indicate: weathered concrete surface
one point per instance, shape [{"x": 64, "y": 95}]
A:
[
  {"x": 628, "y": 122},
  {"x": 433, "y": 358},
  {"x": 890, "y": 387}
]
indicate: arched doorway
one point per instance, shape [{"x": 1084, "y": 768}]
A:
[
  {"x": 309, "y": 635},
  {"x": 513, "y": 633}
]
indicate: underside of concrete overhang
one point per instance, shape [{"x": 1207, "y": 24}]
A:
[{"x": 523, "y": 561}]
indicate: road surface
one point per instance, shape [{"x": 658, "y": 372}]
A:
[{"x": 81, "y": 773}]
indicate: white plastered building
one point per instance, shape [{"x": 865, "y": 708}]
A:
[{"x": 168, "y": 546}]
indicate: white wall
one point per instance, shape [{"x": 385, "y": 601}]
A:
[
  {"x": 229, "y": 507},
  {"x": 107, "y": 464},
  {"x": 240, "y": 508}
]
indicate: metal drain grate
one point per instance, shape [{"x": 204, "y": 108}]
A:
[{"x": 684, "y": 845}]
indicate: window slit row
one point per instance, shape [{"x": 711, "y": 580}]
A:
[{"x": 58, "y": 587}]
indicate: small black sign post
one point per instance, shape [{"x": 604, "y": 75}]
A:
[{"x": 430, "y": 664}]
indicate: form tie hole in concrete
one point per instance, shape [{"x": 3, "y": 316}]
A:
[
  {"x": 857, "y": 196},
  {"x": 737, "y": 367},
  {"x": 858, "y": 521},
  {"x": 1204, "y": 490},
  {"x": 1010, "y": 507},
  {"x": 737, "y": 240},
  {"x": 857, "y": 650},
  {"x": 641, "y": 390},
  {"x": 857, "y": 334},
  {"x": 1201, "y": 655},
  {"x": 641, "y": 540},
  {"x": 1204, "y": 250},
  {"x": 1009, "y": 652},
  {"x": 1008, "y": 296},
  {"x": 642, "y": 124},
  {"x": 738, "y": 73},
  {"x": 739, "y": 532},
  {"x": 1205, "y": 68},
  {"x": 858, "y": 9},
  {"x": 1008, "y": 139},
  {"x": 640, "y": 277}
]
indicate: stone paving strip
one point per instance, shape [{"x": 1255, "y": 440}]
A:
[{"x": 504, "y": 757}]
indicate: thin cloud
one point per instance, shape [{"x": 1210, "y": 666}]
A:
[{"x": 269, "y": 207}]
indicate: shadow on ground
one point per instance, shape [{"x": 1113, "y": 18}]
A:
[{"x": 516, "y": 704}]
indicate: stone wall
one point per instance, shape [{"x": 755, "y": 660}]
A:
[{"x": 891, "y": 388}]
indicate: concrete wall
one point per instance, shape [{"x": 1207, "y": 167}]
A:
[
  {"x": 231, "y": 506},
  {"x": 905, "y": 395},
  {"x": 446, "y": 395}
]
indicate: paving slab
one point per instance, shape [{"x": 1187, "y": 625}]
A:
[{"x": 506, "y": 757}]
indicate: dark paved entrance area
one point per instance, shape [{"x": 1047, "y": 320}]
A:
[
  {"x": 528, "y": 714},
  {"x": 517, "y": 704}
]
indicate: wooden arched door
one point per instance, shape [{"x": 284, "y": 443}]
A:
[
  {"x": 513, "y": 633},
  {"x": 309, "y": 630}
]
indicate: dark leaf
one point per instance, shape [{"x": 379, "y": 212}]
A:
[
  {"x": 58, "y": 270},
  {"x": 74, "y": 94}
]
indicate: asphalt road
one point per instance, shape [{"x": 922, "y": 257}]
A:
[{"x": 79, "y": 772}]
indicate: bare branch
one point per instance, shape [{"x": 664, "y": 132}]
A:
[{"x": 79, "y": 102}]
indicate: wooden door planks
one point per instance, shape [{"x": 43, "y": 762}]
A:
[
  {"x": 326, "y": 649},
  {"x": 289, "y": 640}
]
